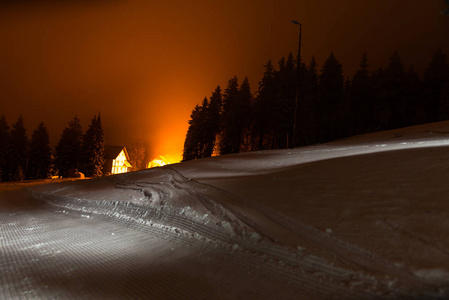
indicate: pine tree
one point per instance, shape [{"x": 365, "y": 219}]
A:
[
  {"x": 306, "y": 124},
  {"x": 264, "y": 109},
  {"x": 40, "y": 153},
  {"x": 413, "y": 94},
  {"x": 330, "y": 88},
  {"x": 244, "y": 116},
  {"x": 18, "y": 151},
  {"x": 99, "y": 141},
  {"x": 4, "y": 148},
  {"x": 68, "y": 151},
  {"x": 188, "y": 152},
  {"x": 391, "y": 97},
  {"x": 230, "y": 137},
  {"x": 435, "y": 77},
  {"x": 379, "y": 108},
  {"x": 137, "y": 154},
  {"x": 331, "y": 79},
  {"x": 202, "y": 139},
  {"x": 194, "y": 142},
  {"x": 362, "y": 98},
  {"x": 286, "y": 84},
  {"x": 93, "y": 148},
  {"x": 236, "y": 120},
  {"x": 212, "y": 127},
  {"x": 279, "y": 103},
  {"x": 306, "y": 89},
  {"x": 444, "y": 101}
]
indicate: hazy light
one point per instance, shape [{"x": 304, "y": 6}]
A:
[{"x": 161, "y": 161}]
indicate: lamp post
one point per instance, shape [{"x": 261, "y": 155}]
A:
[{"x": 293, "y": 143}]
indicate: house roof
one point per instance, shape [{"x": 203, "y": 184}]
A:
[{"x": 112, "y": 151}]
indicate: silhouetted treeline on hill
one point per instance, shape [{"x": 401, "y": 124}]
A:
[
  {"x": 21, "y": 158},
  {"x": 328, "y": 108}
]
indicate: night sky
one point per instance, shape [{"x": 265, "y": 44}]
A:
[{"x": 146, "y": 64}]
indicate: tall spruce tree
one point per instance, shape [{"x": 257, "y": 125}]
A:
[
  {"x": 278, "y": 103},
  {"x": 189, "y": 150},
  {"x": 93, "y": 148},
  {"x": 40, "y": 153},
  {"x": 68, "y": 151},
  {"x": 435, "y": 77},
  {"x": 346, "y": 118},
  {"x": 137, "y": 154},
  {"x": 212, "y": 126},
  {"x": 263, "y": 116},
  {"x": 376, "y": 85},
  {"x": 413, "y": 89},
  {"x": 396, "y": 78},
  {"x": 236, "y": 120},
  {"x": 202, "y": 139},
  {"x": 286, "y": 83},
  {"x": 362, "y": 98},
  {"x": 244, "y": 116},
  {"x": 4, "y": 148},
  {"x": 308, "y": 122},
  {"x": 391, "y": 96},
  {"x": 330, "y": 88},
  {"x": 444, "y": 101},
  {"x": 194, "y": 143},
  {"x": 230, "y": 129},
  {"x": 18, "y": 151}
]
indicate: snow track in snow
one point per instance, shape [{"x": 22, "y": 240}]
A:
[
  {"x": 254, "y": 236},
  {"x": 67, "y": 256},
  {"x": 355, "y": 264}
]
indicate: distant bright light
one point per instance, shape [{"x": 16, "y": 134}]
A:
[
  {"x": 161, "y": 161},
  {"x": 156, "y": 163}
]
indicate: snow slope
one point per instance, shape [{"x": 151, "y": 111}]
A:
[{"x": 360, "y": 218}]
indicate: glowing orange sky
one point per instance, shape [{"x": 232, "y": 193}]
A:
[{"x": 146, "y": 64}]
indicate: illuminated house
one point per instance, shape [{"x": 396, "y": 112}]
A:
[{"x": 116, "y": 160}]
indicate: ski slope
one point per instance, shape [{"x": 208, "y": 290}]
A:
[{"x": 361, "y": 218}]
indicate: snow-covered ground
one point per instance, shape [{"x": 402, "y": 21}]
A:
[{"x": 361, "y": 218}]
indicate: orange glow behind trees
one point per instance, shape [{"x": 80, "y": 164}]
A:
[{"x": 163, "y": 160}]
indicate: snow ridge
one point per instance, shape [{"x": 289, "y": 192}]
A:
[{"x": 201, "y": 215}]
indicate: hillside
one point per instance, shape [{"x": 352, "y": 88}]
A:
[{"x": 360, "y": 218}]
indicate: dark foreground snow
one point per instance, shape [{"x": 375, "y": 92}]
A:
[{"x": 362, "y": 218}]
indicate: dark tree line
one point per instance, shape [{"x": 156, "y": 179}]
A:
[
  {"x": 22, "y": 158},
  {"x": 78, "y": 151},
  {"x": 328, "y": 106}
]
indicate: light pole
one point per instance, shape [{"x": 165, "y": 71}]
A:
[{"x": 293, "y": 143}]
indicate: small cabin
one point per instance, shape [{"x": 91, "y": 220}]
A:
[{"x": 116, "y": 160}]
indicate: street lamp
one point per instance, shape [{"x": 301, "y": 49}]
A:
[{"x": 297, "y": 85}]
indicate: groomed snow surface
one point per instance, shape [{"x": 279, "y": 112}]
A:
[{"x": 361, "y": 218}]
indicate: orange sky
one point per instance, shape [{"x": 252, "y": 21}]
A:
[{"x": 146, "y": 64}]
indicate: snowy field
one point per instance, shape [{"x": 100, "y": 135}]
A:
[{"x": 361, "y": 218}]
